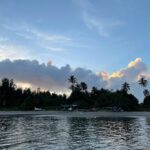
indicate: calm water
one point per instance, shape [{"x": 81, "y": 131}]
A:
[{"x": 49, "y": 132}]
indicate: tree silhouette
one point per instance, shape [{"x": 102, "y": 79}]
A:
[
  {"x": 83, "y": 86},
  {"x": 146, "y": 93},
  {"x": 12, "y": 97},
  {"x": 143, "y": 82},
  {"x": 94, "y": 91},
  {"x": 73, "y": 81},
  {"x": 125, "y": 87},
  {"x": 7, "y": 92},
  {"x": 78, "y": 88}
]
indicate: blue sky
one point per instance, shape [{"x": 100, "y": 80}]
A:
[{"x": 100, "y": 35}]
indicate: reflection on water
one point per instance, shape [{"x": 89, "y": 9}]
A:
[{"x": 47, "y": 132}]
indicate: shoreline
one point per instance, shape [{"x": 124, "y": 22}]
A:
[{"x": 89, "y": 114}]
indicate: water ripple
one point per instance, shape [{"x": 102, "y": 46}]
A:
[{"x": 58, "y": 133}]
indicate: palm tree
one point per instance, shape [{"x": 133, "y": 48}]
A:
[
  {"x": 12, "y": 84},
  {"x": 94, "y": 90},
  {"x": 83, "y": 86},
  {"x": 143, "y": 82},
  {"x": 125, "y": 87},
  {"x": 146, "y": 93},
  {"x": 73, "y": 81},
  {"x": 78, "y": 88}
]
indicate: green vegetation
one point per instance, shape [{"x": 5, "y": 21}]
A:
[{"x": 13, "y": 98}]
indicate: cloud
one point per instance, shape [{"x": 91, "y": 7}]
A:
[
  {"x": 28, "y": 42},
  {"x": 32, "y": 33},
  {"x": 23, "y": 85},
  {"x": 32, "y": 74},
  {"x": 56, "y": 49},
  {"x": 93, "y": 23},
  {"x": 13, "y": 51},
  {"x": 103, "y": 25},
  {"x": 131, "y": 74},
  {"x": 44, "y": 36},
  {"x": 53, "y": 42},
  {"x": 27, "y": 73},
  {"x": 49, "y": 62}
]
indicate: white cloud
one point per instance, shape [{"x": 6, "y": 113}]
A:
[
  {"x": 55, "y": 49},
  {"x": 44, "y": 36},
  {"x": 44, "y": 40},
  {"x": 93, "y": 23},
  {"x": 130, "y": 74},
  {"x": 97, "y": 23},
  {"x": 13, "y": 52}
]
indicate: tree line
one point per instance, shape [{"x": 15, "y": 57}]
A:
[
  {"x": 17, "y": 98},
  {"x": 12, "y": 97},
  {"x": 100, "y": 98}
]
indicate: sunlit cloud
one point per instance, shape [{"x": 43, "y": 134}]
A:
[
  {"x": 23, "y": 85},
  {"x": 103, "y": 74},
  {"x": 134, "y": 69},
  {"x": 116, "y": 75},
  {"x": 131, "y": 74},
  {"x": 134, "y": 63}
]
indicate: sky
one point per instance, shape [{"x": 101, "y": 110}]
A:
[{"x": 103, "y": 43}]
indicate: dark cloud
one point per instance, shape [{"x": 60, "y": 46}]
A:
[{"x": 46, "y": 76}]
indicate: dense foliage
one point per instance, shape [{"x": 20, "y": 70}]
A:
[
  {"x": 12, "y": 97},
  {"x": 102, "y": 98}
]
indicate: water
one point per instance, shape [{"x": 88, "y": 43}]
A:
[{"x": 70, "y": 133}]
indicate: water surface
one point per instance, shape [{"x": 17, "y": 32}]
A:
[{"x": 69, "y": 133}]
